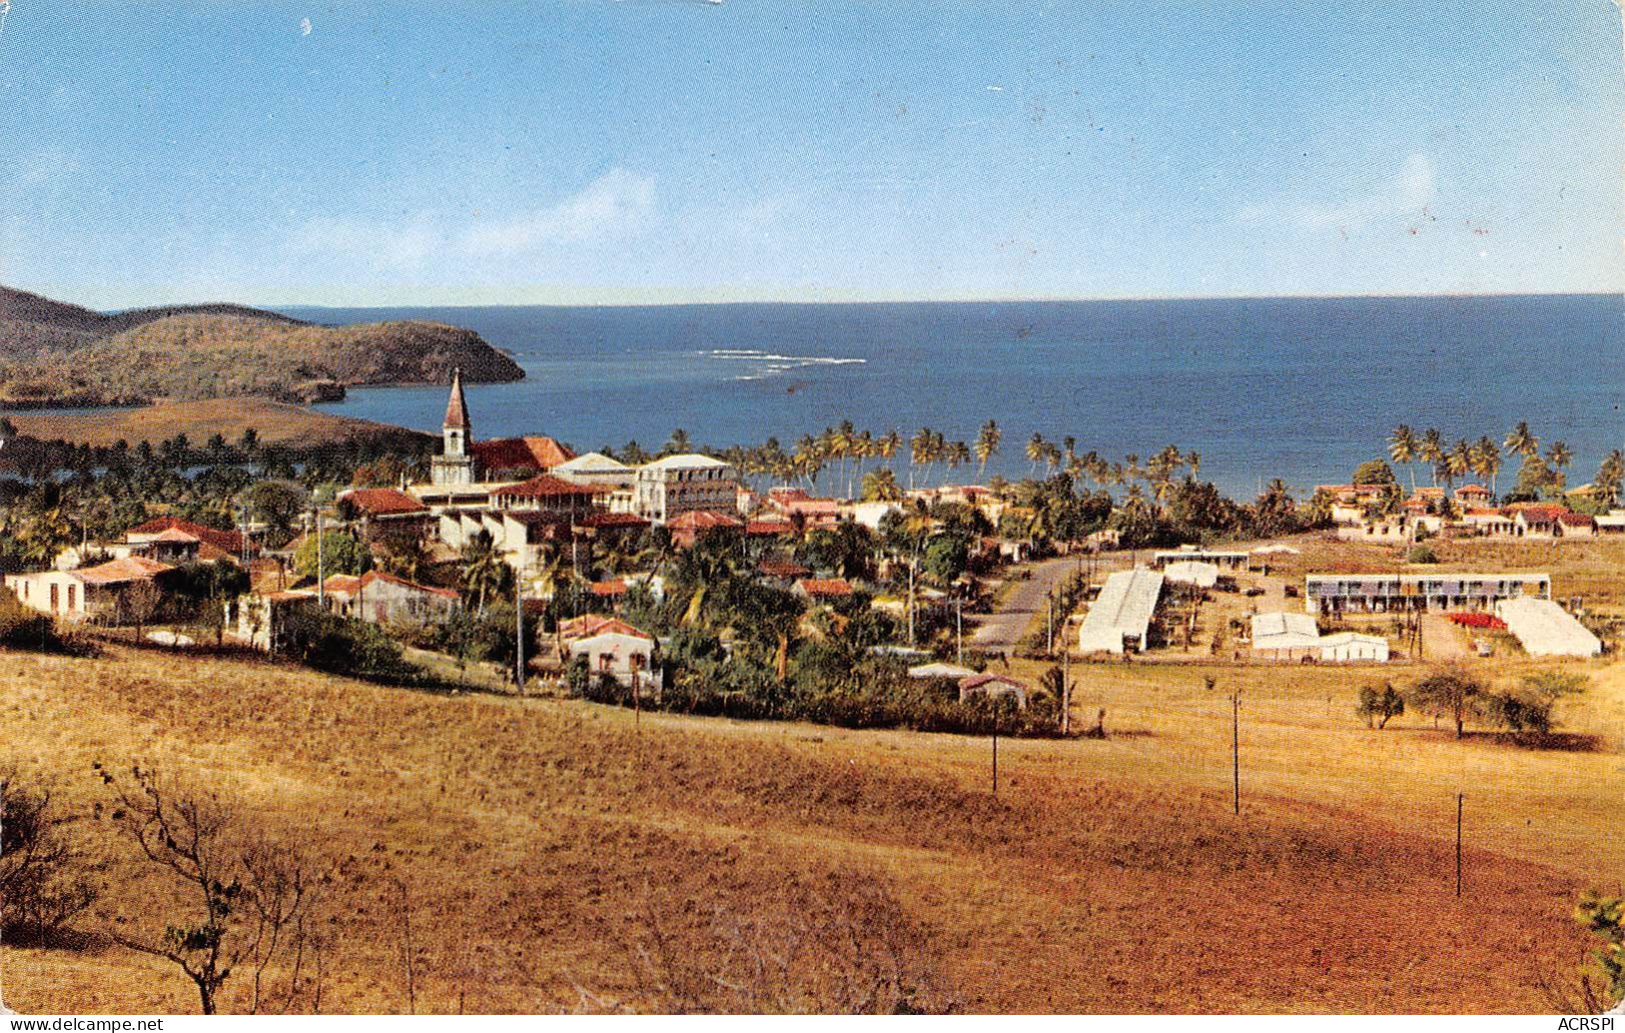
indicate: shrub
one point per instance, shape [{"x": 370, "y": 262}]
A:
[
  {"x": 44, "y": 879},
  {"x": 355, "y": 648},
  {"x": 1421, "y": 554}
]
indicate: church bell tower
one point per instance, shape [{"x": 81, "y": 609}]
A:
[{"x": 455, "y": 464}]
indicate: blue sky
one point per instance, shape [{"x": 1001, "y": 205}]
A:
[{"x": 459, "y": 152}]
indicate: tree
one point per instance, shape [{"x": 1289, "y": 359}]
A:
[
  {"x": 1610, "y": 476},
  {"x": 277, "y": 503},
  {"x": 1374, "y": 471},
  {"x": 254, "y": 898},
  {"x": 988, "y": 440},
  {"x": 881, "y": 486},
  {"x": 44, "y": 877},
  {"x": 1380, "y": 705},
  {"x": 1431, "y": 451},
  {"x": 1449, "y": 692},
  {"x": 1528, "y": 707},
  {"x": 140, "y": 604},
  {"x": 1521, "y": 442},
  {"x": 340, "y": 553},
  {"x": 1402, "y": 449},
  {"x": 485, "y": 572},
  {"x": 946, "y": 556}
]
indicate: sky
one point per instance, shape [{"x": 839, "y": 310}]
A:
[{"x": 596, "y": 151}]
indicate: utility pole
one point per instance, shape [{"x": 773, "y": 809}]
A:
[
  {"x": 519, "y": 635},
  {"x": 321, "y": 574},
  {"x": 1460, "y": 801},
  {"x": 1066, "y": 685},
  {"x": 1049, "y": 622},
  {"x": 911, "y": 602},
  {"x": 1235, "y": 749},
  {"x": 959, "y": 631},
  {"x": 995, "y": 753}
]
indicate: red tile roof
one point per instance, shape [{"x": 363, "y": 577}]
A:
[
  {"x": 1569, "y": 518},
  {"x": 767, "y": 528},
  {"x": 703, "y": 520},
  {"x": 382, "y": 501},
  {"x": 548, "y": 486},
  {"x": 825, "y": 587},
  {"x": 115, "y": 572},
  {"x": 230, "y": 541},
  {"x": 349, "y": 584},
  {"x": 528, "y": 453},
  {"x": 612, "y": 520},
  {"x": 1473, "y": 489},
  {"x": 1539, "y": 514},
  {"x": 609, "y": 588},
  {"x": 782, "y": 568},
  {"x": 596, "y": 624}
]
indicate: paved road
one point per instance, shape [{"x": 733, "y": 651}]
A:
[{"x": 1003, "y": 628}]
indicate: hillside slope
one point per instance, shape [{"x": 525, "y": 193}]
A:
[
  {"x": 54, "y": 353},
  {"x": 556, "y": 855}
]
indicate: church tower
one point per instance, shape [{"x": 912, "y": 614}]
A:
[{"x": 455, "y": 464}]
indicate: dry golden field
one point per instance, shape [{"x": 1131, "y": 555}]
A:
[
  {"x": 274, "y": 422},
  {"x": 558, "y": 858}
]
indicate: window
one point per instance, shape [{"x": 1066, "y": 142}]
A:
[
  {"x": 71, "y": 591},
  {"x": 53, "y": 598}
]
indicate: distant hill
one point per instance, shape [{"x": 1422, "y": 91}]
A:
[{"x": 56, "y": 353}]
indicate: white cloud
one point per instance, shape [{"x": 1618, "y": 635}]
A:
[
  {"x": 614, "y": 203},
  {"x": 1405, "y": 195}
]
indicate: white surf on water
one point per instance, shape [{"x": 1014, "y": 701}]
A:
[{"x": 766, "y": 364}]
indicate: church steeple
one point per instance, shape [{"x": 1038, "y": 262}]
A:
[
  {"x": 457, "y": 406},
  {"x": 455, "y": 463}
]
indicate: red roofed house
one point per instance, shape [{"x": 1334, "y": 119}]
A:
[
  {"x": 688, "y": 528},
  {"x": 380, "y": 598},
  {"x": 1490, "y": 521},
  {"x": 620, "y": 652},
  {"x": 1536, "y": 521},
  {"x": 1473, "y": 495},
  {"x": 101, "y": 593},
  {"x": 992, "y": 686},
  {"x": 502, "y": 458},
  {"x": 782, "y": 569},
  {"x": 383, "y": 510},
  {"x": 826, "y": 589},
  {"x": 217, "y": 544},
  {"x": 1575, "y": 525}
]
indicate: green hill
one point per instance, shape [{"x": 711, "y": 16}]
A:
[{"x": 55, "y": 353}]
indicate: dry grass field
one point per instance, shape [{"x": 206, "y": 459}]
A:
[
  {"x": 275, "y": 422},
  {"x": 557, "y": 857}
]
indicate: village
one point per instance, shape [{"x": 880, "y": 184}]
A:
[{"x": 584, "y": 551}]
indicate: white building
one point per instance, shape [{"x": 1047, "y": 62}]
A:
[
  {"x": 1544, "y": 628},
  {"x": 1199, "y": 573},
  {"x": 1120, "y": 619},
  {"x": 1347, "y": 647},
  {"x": 595, "y": 468},
  {"x": 681, "y": 484},
  {"x": 621, "y": 653},
  {"x": 1285, "y": 636}
]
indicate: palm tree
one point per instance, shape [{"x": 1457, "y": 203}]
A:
[
  {"x": 1610, "y": 475},
  {"x": 1035, "y": 451},
  {"x": 1489, "y": 458},
  {"x": 919, "y": 451},
  {"x": 958, "y": 455},
  {"x": 483, "y": 569},
  {"x": 1457, "y": 462},
  {"x": 678, "y": 443},
  {"x": 1402, "y": 449},
  {"x": 1520, "y": 442},
  {"x": 1431, "y": 451},
  {"x": 1194, "y": 461},
  {"x": 881, "y": 486},
  {"x": 1559, "y": 455},
  {"x": 987, "y": 445}
]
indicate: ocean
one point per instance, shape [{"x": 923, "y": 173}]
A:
[{"x": 1301, "y": 389}]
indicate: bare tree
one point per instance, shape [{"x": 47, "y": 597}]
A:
[{"x": 252, "y": 899}]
